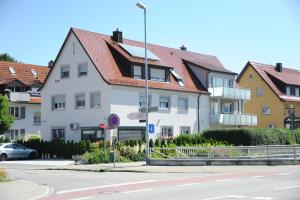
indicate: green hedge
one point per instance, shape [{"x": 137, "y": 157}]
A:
[{"x": 253, "y": 136}]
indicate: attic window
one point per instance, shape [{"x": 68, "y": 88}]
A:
[
  {"x": 177, "y": 78},
  {"x": 33, "y": 72},
  {"x": 11, "y": 70}
]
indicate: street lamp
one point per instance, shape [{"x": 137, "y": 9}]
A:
[{"x": 142, "y": 6}]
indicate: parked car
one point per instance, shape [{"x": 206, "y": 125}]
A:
[{"x": 16, "y": 151}]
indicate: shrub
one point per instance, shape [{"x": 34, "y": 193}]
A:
[
  {"x": 251, "y": 136},
  {"x": 2, "y": 175},
  {"x": 97, "y": 156}
]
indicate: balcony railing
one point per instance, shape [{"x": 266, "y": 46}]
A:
[
  {"x": 19, "y": 96},
  {"x": 234, "y": 119},
  {"x": 230, "y": 93}
]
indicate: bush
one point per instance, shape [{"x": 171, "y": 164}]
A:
[
  {"x": 97, "y": 156},
  {"x": 2, "y": 175},
  {"x": 251, "y": 136}
]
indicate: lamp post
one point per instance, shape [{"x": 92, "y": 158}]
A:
[{"x": 143, "y": 7}]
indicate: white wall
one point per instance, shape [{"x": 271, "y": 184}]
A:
[
  {"x": 27, "y": 122},
  {"x": 69, "y": 87}
]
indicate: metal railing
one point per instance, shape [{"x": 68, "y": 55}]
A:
[{"x": 232, "y": 152}]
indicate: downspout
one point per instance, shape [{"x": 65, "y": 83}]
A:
[{"x": 198, "y": 112}]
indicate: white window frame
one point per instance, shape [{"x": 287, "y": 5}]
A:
[
  {"x": 85, "y": 69},
  {"x": 266, "y": 110},
  {"x": 142, "y": 100},
  {"x": 58, "y": 134},
  {"x": 164, "y": 134},
  {"x": 228, "y": 108},
  {"x": 137, "y": 71},
  {"x": 15, "y": 111},
  {"x": 186, "y": 106},
  {"x": 92, "y": 104},
  {"x": 37, "y": 118},
  {"x": 63, "y": 69},
  {"x": 185, "y": 130},
  {"x": 158, "y": 76},
  {"x": 259, "y": 92},
  {"x": 81, "y": 101},
  {"x": 167, "y": 103},
  {"x": 60, "y": 105}
]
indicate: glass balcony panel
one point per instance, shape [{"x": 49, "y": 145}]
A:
[{"x": 230, "y": 93}]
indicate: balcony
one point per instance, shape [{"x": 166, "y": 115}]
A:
[
  {"x": 19, "y": 96},
  {"x": 234, "y": 119},
  {"x": 230, "y": 93}
]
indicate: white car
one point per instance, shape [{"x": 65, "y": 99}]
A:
[{"x": 16, "y": 151}]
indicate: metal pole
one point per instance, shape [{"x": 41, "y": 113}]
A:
[{"x": 146, "y": 87}]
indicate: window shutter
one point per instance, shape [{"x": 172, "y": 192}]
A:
[{"x": 23, "y": 112}]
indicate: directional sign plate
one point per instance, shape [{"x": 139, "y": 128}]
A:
[
  {"x": 151, "y": 128},
  {"x": 137, "y": 116},
  {"x": 150, "y": 109}
]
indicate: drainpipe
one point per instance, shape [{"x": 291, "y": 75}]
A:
[{"x": 198, "y": 113}]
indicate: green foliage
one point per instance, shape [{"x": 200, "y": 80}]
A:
[
  {"x": 7, "y": 57},
  {"x": 97, "y": 156},
  {"x": 4, "y": 140},
  {"x": 251, "y": 136},
  {"x": 6, "y": 119},
  {"x": 2, "y": 175}
]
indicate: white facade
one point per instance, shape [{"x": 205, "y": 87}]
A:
[{"x": 121, "y": 100}]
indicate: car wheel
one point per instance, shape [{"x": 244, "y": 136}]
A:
[
  {"x": 3, "y": 157},
  {"x": 32, "y": 155}
]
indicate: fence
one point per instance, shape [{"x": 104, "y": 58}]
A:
[{"x": 235, "y": 152}]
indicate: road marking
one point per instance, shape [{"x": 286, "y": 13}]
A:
[
  {"x": 228, "y": 196},
  {"x": 282, "y": 174},
  {"x": 187, "y": 184},
  {"x": 104, "y": 186},
  {"x": 82, "y": 198},
  {"x": 229, "y": 179},
  {"x": 289, "y": 187},
  {"x": 135, "y": 191},
  {"x": 257, "y": 176},
  {"x": 263, "y": 198}
]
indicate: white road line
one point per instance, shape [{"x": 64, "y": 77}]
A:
[
  {"x": 289, "y": 187},
  {"x": 283, "y": 174},
  {"x": 135, "y": 191},
  {"x": 257, "y": 176},
  {"x": 263, "y": 198},
  {"x": 104, "y": 186},
  {"x": 228, "y": 196},
  {"x": 187, "y": 184},
  {"x": 83, "y": 198},
  {"x": 229, "y": 179}
]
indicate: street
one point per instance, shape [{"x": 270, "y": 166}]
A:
[{"x": 268, "y": 183}]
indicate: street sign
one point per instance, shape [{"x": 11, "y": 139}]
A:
[
  {"x": 137, "y": 116},
  {"x": 150, "y": 109},
  {"x": 151, "y": 128},
  {"x": 113, "y": 121}
]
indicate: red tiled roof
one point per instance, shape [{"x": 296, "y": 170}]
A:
[
  {"x": 23, "y": 73},
  {"x": 97, "y": 47},
  {"x": 287, "y": 76}
]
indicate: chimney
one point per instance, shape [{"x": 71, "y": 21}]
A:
[
  {"x": 50, "y": 64},
  {"x": 183, "y": 48},
  {"x": 117, "y": 36},
  {"x": 278, "y": 67}
]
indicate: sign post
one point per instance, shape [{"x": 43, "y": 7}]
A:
[
  {"x": 113, "y": 122},
  {"x": 291, "y": 112}
]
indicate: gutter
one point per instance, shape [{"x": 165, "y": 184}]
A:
[{"x": 198, "y": 113}]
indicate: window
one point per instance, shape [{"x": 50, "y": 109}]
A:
[
  {"x": 214, "y": 107},
  {"x": 228, "y": 108},
  {"x": 82, "y": 69},
  {"x": 34, "y": 73},
  {"x": 164, "y": 103},
  {"x": 142, "y": 102},
  {"x": 185, "y": 130},
  {"x": 80, "y": 101},
  {"x": 15, "y": 89},
  {"x": 95, "y": 98},
  {"x": 266, "y": 110},
  {"x": 65, "y": 71},
  {"x": 166, "y": 132},
  {"x": 11, "y": 70},
  {"x": 177, "y": 77},
  {"x": 14, "y": 134},
  {"x": 292, "y": 91},
  {"x": 15, "y": 111},
  {"x": 259, "y": 92},
  {"x": 137, "y": 72},
  {"x": 37, "y": 118},
  {"x": 182, "y": 104},
  {"x": 231, "y": 83},
  {"x": 157, "y": 75},
  {"x": 272, "y": 125},
  {"x": 58, "y": 134},
  {"x": 216, "y": 82},
  {"x": 58, "y": 102}
]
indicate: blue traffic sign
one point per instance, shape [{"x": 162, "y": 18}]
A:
[{"x": 151, "y": 128}]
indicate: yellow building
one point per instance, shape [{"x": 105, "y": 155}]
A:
[{"x": 273, "y": 90}]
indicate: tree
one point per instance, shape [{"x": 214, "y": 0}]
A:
[
  {"x": 6, "y": 119},
  {"x": 7, "y": 57}
]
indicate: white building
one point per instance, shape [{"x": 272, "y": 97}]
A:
[
  {"x": 20, "y": 83},
  {"x": 95, "y": 75}
]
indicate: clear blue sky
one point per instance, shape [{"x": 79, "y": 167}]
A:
[{"x": 236, "y": 31}]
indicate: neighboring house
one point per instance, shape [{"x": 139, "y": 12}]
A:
[
  {"x": 95, "y": 75},
  {"x": 20, "y": 83},
  {"x": 274, "y": 89}
]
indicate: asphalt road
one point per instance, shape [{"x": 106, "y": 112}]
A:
[{"x": 260, "y": 185}]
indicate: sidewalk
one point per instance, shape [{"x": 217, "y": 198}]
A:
[
  {"x": 21, "y": 190},
  {"x": 141, "y": 167}
]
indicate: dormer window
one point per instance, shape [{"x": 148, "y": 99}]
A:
[
  {"x": 157, "y": 75},
  {"x": 33, "y": 72},
  {"x": 12, "y": 70},
  {"x": 137, "y": 72},
  {"x": 177, "y": 78},
  {"x": 292, "y": 91}
]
